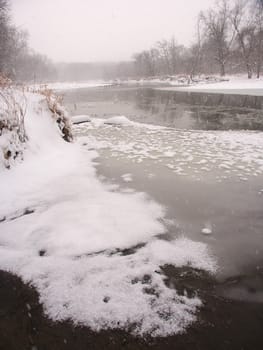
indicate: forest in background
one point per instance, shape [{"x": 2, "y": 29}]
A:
[{"x": 228, "y": 40}]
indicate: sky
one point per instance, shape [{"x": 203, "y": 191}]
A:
[{"x": 104, "y": 30}]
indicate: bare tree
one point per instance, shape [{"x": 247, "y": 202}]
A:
[
  {"x": 163, "y": 47},
  {"x": 196, "y": 51},
  {"x": 4, "y": 34},
  {"x": 257, "y": 13},
  {"x": 144, "y": 62},
  {"x": 219, "y": 33},
  {"x": 175, "y": 53},
  {"x": 245, "y": 28}
]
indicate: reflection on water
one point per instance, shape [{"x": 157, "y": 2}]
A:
[{"x": 183, "y": 110}]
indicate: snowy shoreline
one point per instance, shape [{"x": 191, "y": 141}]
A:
[
  {"x": 232, "y": 85},
  {"x": 68, "y": 243},
  {"x": 236, "y": 85}
]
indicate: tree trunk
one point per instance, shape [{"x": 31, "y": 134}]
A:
[
  {"x": 222, "y": 69},
  {"x": 259, "y": 54},
  {"x": 249, "y": 71},
  {"x": 258, "y": 68}
]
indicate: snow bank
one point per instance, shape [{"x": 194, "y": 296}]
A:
[
  {"x": 173, "y": 80},
  {"x": 71, "y": 85},
  {"x": 78, "y": 119},
  {"x": 118, "y": 120},
  {"x": 233, "y": 85},
  {"x": 13, "y": 134},
  {"x": 62, "y": 230}
]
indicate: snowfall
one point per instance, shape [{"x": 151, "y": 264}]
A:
[{"x": 65, "y": 232}]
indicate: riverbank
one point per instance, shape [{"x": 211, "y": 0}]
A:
[
  {"x": 222, "y": 325},
  {"x": 234, "y": 85},
  {"x": 116, "y": 249}
]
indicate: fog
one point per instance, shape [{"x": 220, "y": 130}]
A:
[{"x": 104, "y": 30}]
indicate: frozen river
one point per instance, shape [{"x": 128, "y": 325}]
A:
[{"x": 199, "y": 155}]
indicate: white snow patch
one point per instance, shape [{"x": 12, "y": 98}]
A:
[
  {"x": 71, "y": 85},
  {"x": 127, "y": 177},
  {"x": 206, "y": 231},
  {"x": 78, "y": 119},
  {"x": 118, "y": 120},
  {"x": 114, "y": 291},
  {"x": 231, "y": 85}
]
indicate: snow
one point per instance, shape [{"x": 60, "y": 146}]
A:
[
  {"x": 68, "y": 246},
  {"x": 118, "y": 120},
  {"x": 78, "y": 119},
  {"x": 127, "y": 177},
  {"x": 193, "y": 153},
  {"x": 206, "y": 231},
  {"x": 71, "y": 85},
  {"x": 110, "y": 291},
  {"x": 234, "y": 85},
  {"x": 13, "y": 137}
]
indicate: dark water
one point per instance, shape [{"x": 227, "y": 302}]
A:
[{"x": 183, "y": 110}]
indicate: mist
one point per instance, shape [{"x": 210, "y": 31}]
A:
[{"x": 92, "y": 31}]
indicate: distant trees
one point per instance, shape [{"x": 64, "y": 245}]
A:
[
  {"x": 17, "y": 61},
  {"x": 5, "y": 35},
  {"x": 229, "y": 39},
  {"x": 164, "y": 58}
]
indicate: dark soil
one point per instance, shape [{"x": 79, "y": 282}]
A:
[{"x": 222, "y": 324}]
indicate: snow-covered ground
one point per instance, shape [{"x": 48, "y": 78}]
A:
[
  {"x": 62, "y": 230},
  {"x": 194, "y": 153},
  {"x": 208, "y": 84},
  {"x": 232, "y": 85},
  {"x": 71, "y": 85}
]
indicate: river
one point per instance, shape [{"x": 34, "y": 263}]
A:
[{"x": 199, "y": 155}]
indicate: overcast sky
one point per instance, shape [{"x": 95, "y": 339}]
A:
[{"x": 104, "y": 30}]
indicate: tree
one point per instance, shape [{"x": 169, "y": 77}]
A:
[
  {"x": 257, "y": 13},
  {"x": 4, "y": 35},
  {"x": 245, "y": 29},
  {"x": 196, "y": 51},
  {"x": 175, "y": 53},
  {"x": 219, "y": 35},
  {"x": 17, "y": 61},
  {"x": 163, "y": 48},
  {"x": 145, "y": 63}
]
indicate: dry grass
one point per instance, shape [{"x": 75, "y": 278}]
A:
[{"x": 58, "y": 112}]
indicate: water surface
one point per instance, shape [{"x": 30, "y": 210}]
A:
[{"x": 206, "y": 168}]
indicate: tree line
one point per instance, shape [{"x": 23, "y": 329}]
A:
[
  {"x": 229, "y": 39},
  {"x": 17, "y": 60}
]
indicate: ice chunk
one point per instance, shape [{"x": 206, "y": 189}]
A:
[
  {"x": 118, "y": 120},
  {"x": 78, "y": 119}
]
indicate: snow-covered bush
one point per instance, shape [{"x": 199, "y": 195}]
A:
[
  {"x": 12, "y": 130},
  {"x": 58, "y": 112},
  {"x": 13, "y": 110}
]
